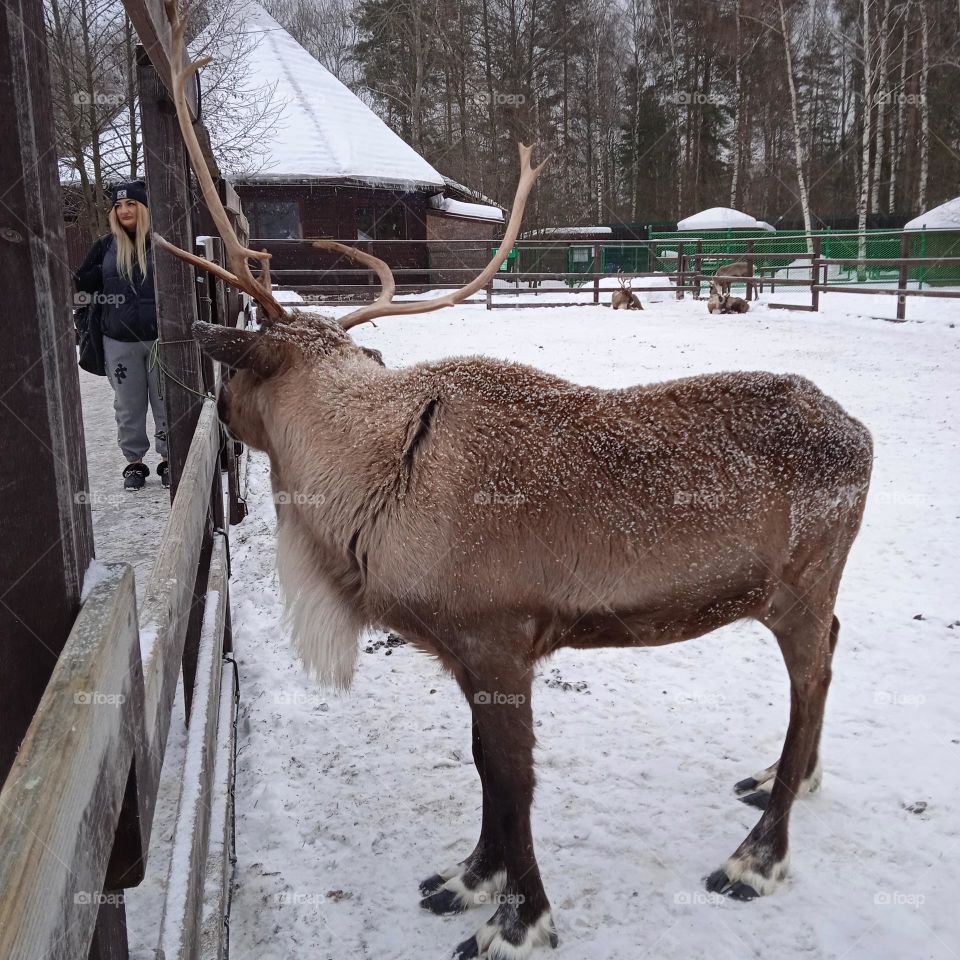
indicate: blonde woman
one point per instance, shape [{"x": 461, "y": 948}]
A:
[{"x": 118, "y": 276}]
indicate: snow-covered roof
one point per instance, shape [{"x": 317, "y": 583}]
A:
[
  {"x": 571, "y": 231},
  {"x": 719, "y": 218},
  {"x": 459, "y": 208},
  {"x": 323, "y": 131},
  {"x": 769, "y": 227},
  {"x": 466, "y": 193},
  {"x": 944, "y": 217}
]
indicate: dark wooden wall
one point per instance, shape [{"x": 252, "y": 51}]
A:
[{"x": 332, "y": 212}]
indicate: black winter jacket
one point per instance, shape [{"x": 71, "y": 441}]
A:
[{"x": 128, "y": 310}]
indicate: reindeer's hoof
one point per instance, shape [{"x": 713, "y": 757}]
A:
[
  {"x": 760, "y": 799},
  {"x": 444, "y": 903},
  {"x": 746, "y": 786},
  {"x": 719, "y": 882},
  {"x": 467, "y": 950},
  {"x": 432, "y": 884}
]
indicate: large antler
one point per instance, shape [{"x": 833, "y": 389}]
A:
[
  {"x": 237, "y": 254},
  {"x": 384, "y": 306}
]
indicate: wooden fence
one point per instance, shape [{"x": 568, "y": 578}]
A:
[
  {"x": 89, "y": 680},
  {"x": 685, "y": 270}
]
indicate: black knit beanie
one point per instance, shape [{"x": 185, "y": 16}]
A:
[{"x": 133, "y": 190}]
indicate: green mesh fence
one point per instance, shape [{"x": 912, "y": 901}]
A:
[{"x": 777, "y": 253}]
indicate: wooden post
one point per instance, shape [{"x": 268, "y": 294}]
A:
[
  {"x": 168, "y": 184},
  {"x": 596, "y": 271},
  {"x": 750, "y": 250},
  {"x": 680, "y": 270},
  {"x": 815, "y": 275},
  {"x": 46, "y": 531},
  {"x": 168, "y": 181},
  {"x": 904, "y": 275}
]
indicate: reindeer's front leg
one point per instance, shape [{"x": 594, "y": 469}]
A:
[
  {"x": 476, "y": 880},
  {"x": 503, "y": 718}
]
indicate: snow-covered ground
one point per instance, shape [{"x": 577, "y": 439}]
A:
[{"x": 345, "y": 802}]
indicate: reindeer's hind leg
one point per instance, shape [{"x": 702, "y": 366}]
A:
[
  {"x": 760, "y": 862},
  {"x": 476, "y": 880},
  {"x": 755, "y": 790}
]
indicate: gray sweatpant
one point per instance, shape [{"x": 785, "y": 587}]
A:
[{"x": 133, "y": 384}]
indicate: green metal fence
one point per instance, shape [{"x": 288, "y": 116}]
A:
[{"x": 778, "y": 250}]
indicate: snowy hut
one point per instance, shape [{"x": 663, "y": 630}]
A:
[
  {"x": 722, "y": 218},
  {"x": 938, "y": 235}
]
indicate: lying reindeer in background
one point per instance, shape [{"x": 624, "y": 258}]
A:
[
  {"x": 493, "y": 513},
  {"x": 725, "y": 303},
  {"x": 625, "y": 298}
]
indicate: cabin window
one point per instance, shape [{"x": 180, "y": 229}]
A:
[
  {"x": 274, "y": 220},
  {"x": 381, "y": 223}
]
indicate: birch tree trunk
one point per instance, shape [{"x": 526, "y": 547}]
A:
[
  {"x": 924, "y": 107},
  {"x": 795, "y": 112},
  {"x": 896, "y": 145},
  {"x": 867, "y": 136},
  {"x": 738, "y": 109},
  {"x": 882, "y": 96}
]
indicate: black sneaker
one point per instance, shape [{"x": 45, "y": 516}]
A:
[
  {"x": 163, "y": 472},
  {"x": 135, "y": 476}
]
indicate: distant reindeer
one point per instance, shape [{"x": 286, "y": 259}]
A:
[
  {"x": 725, "y": 275},
  {"x": 625, "y": 298},
  {"x": 714, "y": 303},
  {"x": 492, "y": 514},
  {"x": 732, "y": 304}
]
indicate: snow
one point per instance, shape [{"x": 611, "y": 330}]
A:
[
  {"x": 573, "y": 231},
  {"x": 720, "y": 218},
  {"x": 459, "y": 208},
  {"x": 97, "y": 572},
  {"x": 944, "y": 217},
  {"x": 323, "y": 130},
  {"x": 345, "y": 802}
]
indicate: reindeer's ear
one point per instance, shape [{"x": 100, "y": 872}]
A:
[{"x": 240, "y": 349}]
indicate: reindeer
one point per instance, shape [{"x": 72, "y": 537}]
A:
[
  {"x": 731, "y": 304},
  {"x": 725, "y": 275},
  {"x": 493, "y": 513},
  {"x": 625, "y": 298},
  {"x": 715, "y": 302}
]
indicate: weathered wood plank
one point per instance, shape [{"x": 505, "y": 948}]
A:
[
  {"x": 46, "y": 533},
  {"x": 183, "y": 906},
  {"x": 169, "y": 592},
  {"x": 168, "y": 179},
  {"x": 61, "y": 802},
  {"x": 220, "y": 853}
]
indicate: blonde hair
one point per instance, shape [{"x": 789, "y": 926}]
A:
[{"x": 127, "y": 249}]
